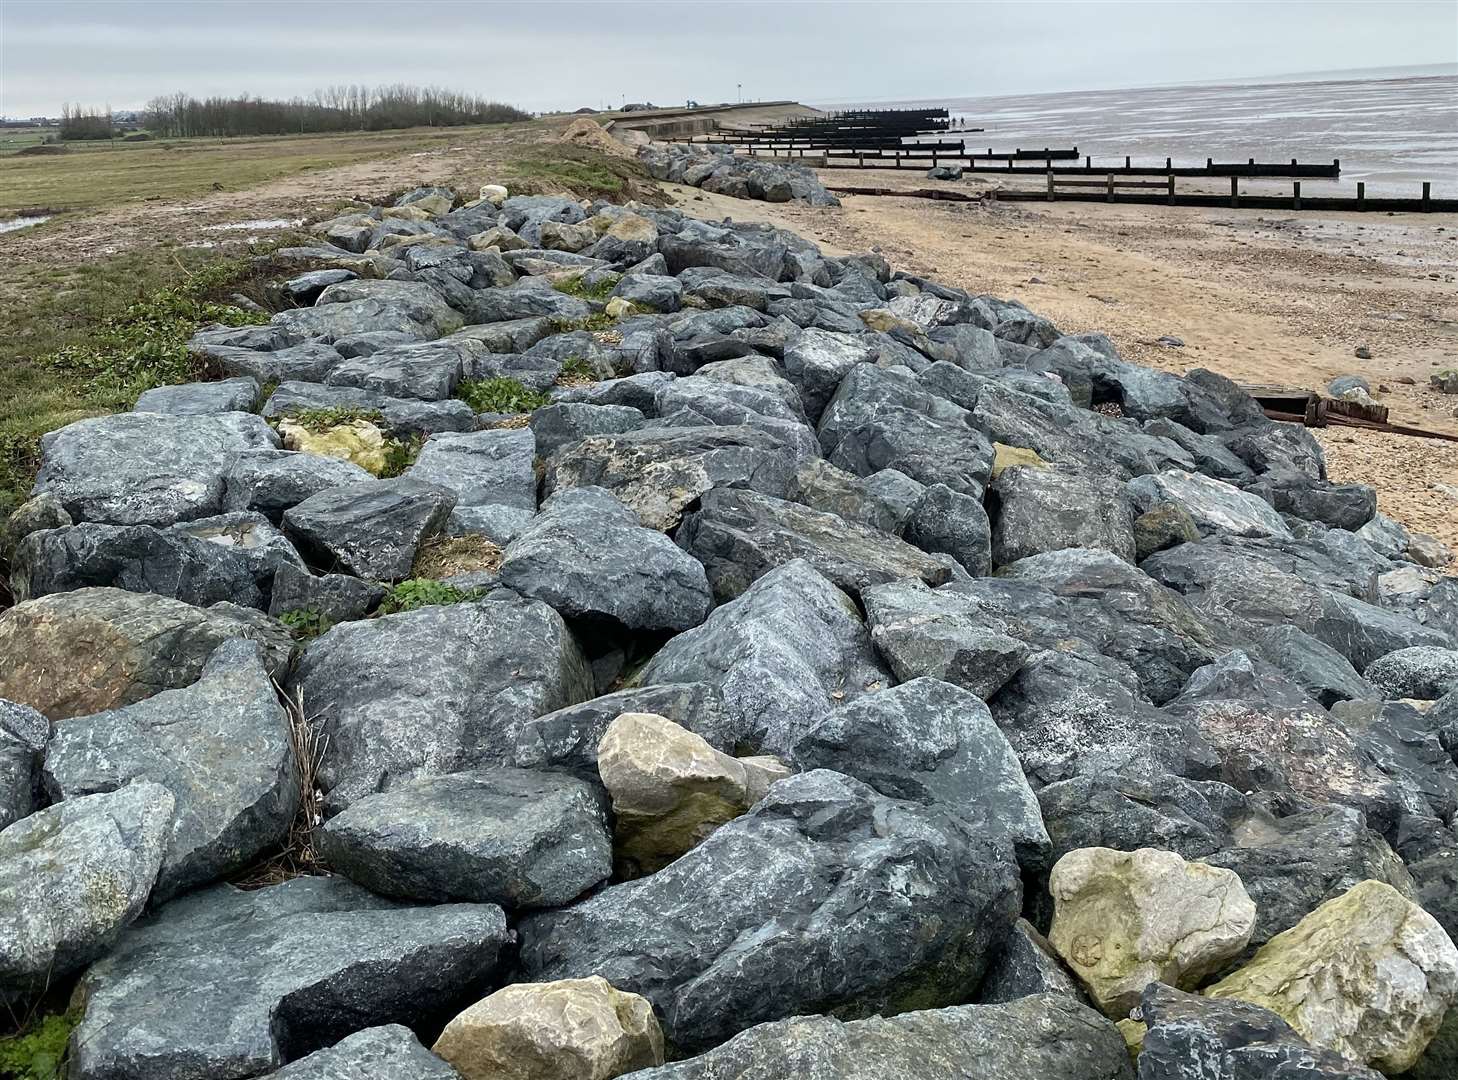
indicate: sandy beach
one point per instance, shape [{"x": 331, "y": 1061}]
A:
[{"x": 1259, "y": 296}]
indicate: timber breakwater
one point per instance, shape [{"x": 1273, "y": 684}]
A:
[{"x": 585, "y": 633}]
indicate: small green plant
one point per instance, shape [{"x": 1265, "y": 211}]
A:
[
  {"x": 324, "y": 419},
  {"x": 40, "y": 1052},
  {"x": 576, "y": 371},
  {"x": 500, "y": 395},
  {"x": 424, "y": 592},
  {"x": 598, "y": 320},
  {"x": 578, "y": 287},
  {"x": 146, "y": 344},
  {"x": 305, "y": 623},
  {"x": 400, "y": 454}
]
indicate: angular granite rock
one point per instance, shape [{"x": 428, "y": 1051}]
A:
[
  {"x": 230, "y": 983},
  {"x": 573, "y": 1029},
  {"x": 23, "y": 737},
  {"x": 588, "y": 557},
  {"x": 740, "y": 535},
  {"x": 137, "y": 558},
  {"x": 271, "y": 481},
  {"x": 221, "y": 747},
  {"x": 86, "y": 651},
  {"x": 1125, "y": 919},
  {"x": 389, "y": 1052},
  {"x": 1422, "y": 671},
  {"x": 72, "y": 877},
  {"x": 1315, "y": 666},
  {"x": 824, "y": 896},
  {"x": 371, "y": 529},
  {"x": 1040, "y": 510},
  {"x": 1044, "y": 1037},
  {"x": 1199, "y": 1038},
  {"x": 1024, "y": 965},
  {"x": 335, "y": 597},
  {"x": 202, "y": 398},
  {"x": 783, "y": 654},
  {"x": 146, "y": 468},
  {"x": 482, "y": 467},
  {"x": 922, "y": 631},
  {"x": 512, "y": 837},
  {"x": 929, "y": 742},
  {"x": 1369, "y": 975},
  {"x": 1215, "y": 506},
  {"x": 952, "y": 523},
  {"x": 435, "y": 690}
]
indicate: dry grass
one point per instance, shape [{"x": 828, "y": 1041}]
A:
[
  {"x": 445, "y": 556},
  {"x": 298, "y": 856}
]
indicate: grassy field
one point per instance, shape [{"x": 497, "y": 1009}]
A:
[{"x": 92, "y": 175}]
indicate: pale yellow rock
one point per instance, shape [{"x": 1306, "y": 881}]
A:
[
  {"x": 884, "y": 320},
  {"x": 574, "y": 1029},
  {"x": 1133, "y": 1032},
  {"x": 670, "y": 789},
  {"x": 618, "y": 308},
  {"x": 760, "y": 772},
  {"x": 413, "y": 212},
  {"x": 1005, "y": 457},
  {"x": 559, "y": 236},
  {"x": 1124, "y": 919},
  {"x": 632, "y": 227},
  {"x": 498, "y": 237},
  {"x": 434, "y": 205},
  {"x": 358, "y": 441},
  {"x": 1368, "y": 974},
  {"x": 495, "y": 194},
  {"x": 427, "y": 239}
]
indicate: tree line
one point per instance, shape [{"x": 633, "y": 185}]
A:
[{"x": 338, "y": 108}]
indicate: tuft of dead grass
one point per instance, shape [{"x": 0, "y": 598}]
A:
[
  {"x": 298, "y": 857},
  {"x": 445, "y": 556}
]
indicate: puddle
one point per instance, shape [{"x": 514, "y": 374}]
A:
[
  {"x": 21, "y": 223},
  {"x": 262, "y": 223}
]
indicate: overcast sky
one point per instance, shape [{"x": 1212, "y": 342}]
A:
[{"x": 543, "y": 55}]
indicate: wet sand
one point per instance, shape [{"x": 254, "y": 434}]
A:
[{"x": 1259, "y": 296}]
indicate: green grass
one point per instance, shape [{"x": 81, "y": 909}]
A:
[
  {"x": 305, "y": 624},
  {"x": 501, "y": 395},
  {"x": 586, "y": 172},
  {"x": 320, "y": 420},
  {"x": 40, "y": 1052},
  {"x": 400, "y": 454},
  {"x": 416, "y": 593},
  {"x": 579, "y": 288},
  {"x": 576, "y": 371},
  {"x": 85, "y": 340}
]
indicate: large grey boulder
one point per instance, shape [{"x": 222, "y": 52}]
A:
[
  {"x": 72, "y": 877},
  {"x": 530, "y": 297},
  {"x": 515, "y": 837},
  {"x": 309, "y": 362},
  {"x": 435, "y": 690},
  {"x": 335, "y": 597},
  {"x": 816, "y": 361},
  {"x": 1191, "y": 1037},
  {"x": 568, "y": 738},
  {"x": 1040, "y": 510},
  {"x": 137, "y": 558},
  {"x": 659, "y": 471},
  {"x": 884, "y": 500},
  {"x": 1341, "y": 506},
  {"x": 949, "y": 522},
  {"x": 1042, "y": 1037},
  {"x": 740, "y": 535},
  {"x": 202, "y": 398},
  {"x": 389, "y": 1052},
  {"x": 1025, "y": 965},
  {"x": 1422, "y": 671},
  {"x": 146, "y": 468},
  {"x": 370, "y": 529},
  {"x": 929, "y": 742},
  {"x": 230, "y": 983},
  {"x": 482, "y": 468},
  {"x": 221, "y": 747},
  {"x": 830, "y": 921},
  {"x": 271, "y": 481},
  {"x": 73, "y": 653},
  {"x": 1215, "y": 506},
  {"x": 425, "y": 371},
  {"x": 1315, "y": 666},
  {"x": 588, "y": 557},
  {"x": 556, "y": 425},
  {"x": 940, "y": 633},
  {"x": 23, "y": 737},
  {"x": 788, "y": 650},
  {"x": 402, "y": 417}
]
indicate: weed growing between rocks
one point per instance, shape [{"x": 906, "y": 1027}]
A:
[
  {"x": 305, "y": 624},
  {"x": 578, "y": 287},
  {"x": 500, "y": 395},
  {"x": 416, "y": 593},
  {"x": 598, "y": 320},
  {"x": 38, "y": 1051},
  {"x": 576, "y": 371},
  {"x": 400, "y": 454},
  {"x": 323, "y": 419}
]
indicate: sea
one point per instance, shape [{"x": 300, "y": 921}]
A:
[{"x": 1390, "y": 128}]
